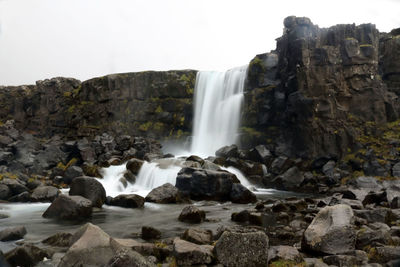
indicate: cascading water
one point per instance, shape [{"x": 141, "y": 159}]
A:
[{"x": 218, "y": 100}]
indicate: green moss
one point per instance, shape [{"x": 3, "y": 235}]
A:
[
  {"x": 190, "y": 91},
  {"x": 77, "y": 90},
  {"x": 145, "y": 126},
  {"x": 251, "y": 131},
  {"x": 71, "y": 109},
  {"x": 8, "y": 175},
  {"x": 365, "y": 45},
  {"x": 158, "y": 126},
  {"x": 396, "y": 37},
  {"x": 159, "y": 109},
  {"x": 67, "y": 94}
]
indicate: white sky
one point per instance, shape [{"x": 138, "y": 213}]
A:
[{"x": 86, "y": 38}]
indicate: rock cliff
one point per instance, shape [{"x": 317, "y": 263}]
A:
[{"x": 312, "y": 96}]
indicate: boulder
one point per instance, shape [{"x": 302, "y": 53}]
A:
[
  {"x": 167, "y": 193},
  {"x": 331, "y": 231},
  {"x": 205, "y": 184},
  {"x": 45, "y": 194},
  {"x": 15, "y": 186},
  {"x": 69, "y": 208},
  {"x": 71, "y": 173},
  {"x": 240, "y": 194},
  {"x": 242, "y": 216},
  {"x": 93, "y": 247},
  {"x": 59, "y": 240},
  {"x": 26, "y": 255},
  {"x": 285, "y": 253},
  {"x": 290, "y": 180},
  {"x": 187, "y": 253},
  {"x": 89, "y": 188},
  {"x": 192, "y": 214},
  {"x": 22, "y": 197},
  {"x": 134, "y": 165},
  {"x": 396, "y": 170},
  {"x": 228, "y": 152},
  {"x": 12, "y": 233},
  {"x": 260, "y": 154},
  {"x": 149, "y": 233},
  {"x": 198, "y": 236},
  {"x": 242, "y": 247},
  {"x": 5, "y": 192},
  {"x": 384, "y": 254},
  {"x": 127, "y": 201}
]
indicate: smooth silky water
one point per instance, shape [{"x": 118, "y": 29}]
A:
[{"x": 218, "y": 100}]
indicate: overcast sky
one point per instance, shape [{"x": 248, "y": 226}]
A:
[{"x": 86, "y": 38}]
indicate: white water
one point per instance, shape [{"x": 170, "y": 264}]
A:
[{"x": 218, "y": 100}]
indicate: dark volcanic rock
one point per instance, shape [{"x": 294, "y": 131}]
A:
[
  {"x": 187, "y": 253},
  {"x": 290, "y": 180},
  {"x": 69, "y": 208},
  {"x": 240, "y": 194},
  {"x": 26, "y": 255},
  {"x": 127, "y": 201},
  {"x": 71, "y": 173},
  {"x": 191, "y": 214},
  {"x": 12, "y": 233},
  {"x": 59, "y": 240},
  {"x": 167, "y": 193},
  {"x": 242, "y": 247},
  {"x": 5, "y": 192},
  {"x": 149, "y": 233},
  {"x": 134, "y": 165},
  {"x": 205, "y": 184},
  {"x": 228, "y": 152},
  {"x": 45, "y": 193},
  {"x": 89, "y": 188}
]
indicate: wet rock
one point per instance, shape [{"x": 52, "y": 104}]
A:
[
  {"x": 228, "y": 152},
  {"x": 6, "y": 157},
  {"x": 22, "y": 197},
  {"x": 395, "y": 204},
  {"x": 384, "y": 254},
  {"x": 396, "y": 170},
  {"x": 89, "y": 188},
  {"x": 129, "y": 177},
  {"x": 208, "y": 165},
  {"x": 134, "y": 165},
  {"x": 205, "y": 184},
  {"x": 3, "y": 261},
  {"x": 358, "y": 259},
  {"x": 59, "y": 240},
  {"x": 331, "y": 231},
  {"x": 280, "y": 164},
  {"x": 123, "y": 142},
  {"x": 127, "y": 201},
  {"x": 149, "y": 233},
  {"x": 240, "y": 194},
  {"x": 26, "y": 255},
  {"x": 242, "y": 247},
  {"x": 286, "y": 253},
  {"x": 260, "y": 154},
  {"x": 45, "y": 194},
  {"x": 15, "y": 186},
  {"x": 12, "y": 233},
  {"x": 167, "y": 193},
  {"x": 5, "y": 192},
  {"x": 191, "y": 214},
  {"x": 375, "y": 198},
  {"x": 69, "y": 208},
  {"x": 198, "y": 236},
  {"x": 187, "y": 253},
  {"x": 71, "y": 173},
  {"x": 290, "y": 180},
  {"x": 242, "y": 216}
]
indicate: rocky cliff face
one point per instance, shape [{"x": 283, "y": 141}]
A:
[
  {"x": 312, "y": 96},
  {"x": 154, "y": 104}
]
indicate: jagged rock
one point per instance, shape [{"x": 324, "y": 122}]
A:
[
  {"x": 260, "y": 154},
  {"x": 167, "y": 193},
  {"x": 12, "y": 233},
  {"x": 384, "y": 254},
  {"x": 23, "y": 197},
  {"x": 376, "y": 215},
  {"x": 26, "y": 255},
  {"x": 331, "y": 231},
  {"x": 205, "y": 184},
  {"x": 127, "y": 201},
  {"x": 359, "y": 258},
  {"x": 6, "y": 157},
  {"x": 228, "y": 152},
  {"x": 149, "y": 233},
  {"x": 191, "y": 214},
  {"x": 313, "y": 262},
  {"x": 242, "y": 247},
  {"x": 69, "y": 208},
  {"x": 198, "y": 236},
  {"x": 134, "y": 165},
  {"x": 290, "y": 180},
  {"x": 89, "y": 188},
  {"x": 280, "y": 164},
  {"x": 242, "y": 216},
  {"x": 71, "y": 173},
  {"x": 45, "y": 194},
  {"x": 93, "y": 247},
  {"x": 367, "y": 236},
  {"x": 59, "y": 240},
  {"x": 15, "y": 186},
  {"x": 127, "y": 257},
  {"x": 396, "y": 170},
  {"x": 240, "y": 194},
  {"x": 123, "y": 142},
  {"x": 187, "y": 253}
]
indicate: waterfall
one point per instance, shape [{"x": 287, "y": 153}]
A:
[{"x": 218, "y": 100}]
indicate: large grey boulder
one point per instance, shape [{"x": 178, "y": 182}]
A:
[
  {"x": 192, "y": 214},
  {"x": 69, "y": 208},
  {"x": 240, "y": 194},
  {"x": 167, "y": 193},
  {"x": 290, "y": 180},
  {"x": 242, "y": 247},
  {"x": 89, "y": 188},
  {"x": 127, "y": 201},
  {"x": 198, "y": 236},
  {"x": 187, "y": 253},
  {"x": 331, "y": 231},
  {"x": 45, "y": 194},
  {"x": 5, "y": 192},
  {"x": 93, "y": 247}
]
